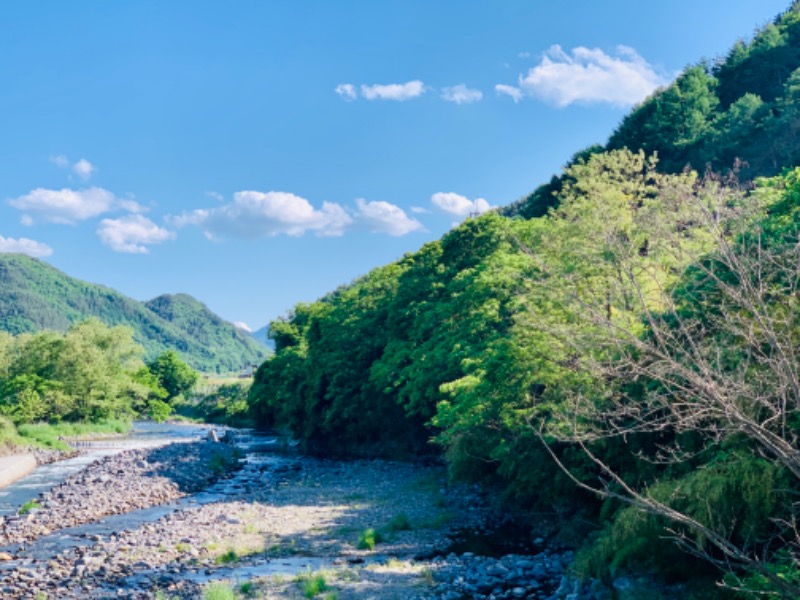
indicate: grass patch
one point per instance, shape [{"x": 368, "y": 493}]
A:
[
  {"x": 221, "y": 462},
  {"x": 227, "y": 558},
  {"x": 28, "y": 507},
  {"x": 438, "y": 521},
  {"x": 9, "y": 436},
  {"x": 399, "y": 522},
  {"x": 47, "y": 435},
  {"x": 218, "y": 591},
  {"x": 312, "y": 584},
  {"x": 248, "y": 588},
  {"x": 250, "y": 528},
  {"x": 368, "y": 539}
]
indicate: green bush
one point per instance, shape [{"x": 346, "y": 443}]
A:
[{"x": 368, "y": 539}]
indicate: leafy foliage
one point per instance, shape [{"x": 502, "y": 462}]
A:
[
  {"x": 639, "y": 325},
  {"x": 88, "y": 373},
  {"x": 172, "y": 374}
]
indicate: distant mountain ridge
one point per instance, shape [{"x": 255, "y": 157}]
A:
[
  {"x": 35, "y": 296},
  {"x": 260, "y": 336}
]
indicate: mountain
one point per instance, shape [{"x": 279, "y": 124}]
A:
[
  {"x": 260, "y": 336},
  {"x": 35, "y": 296}
]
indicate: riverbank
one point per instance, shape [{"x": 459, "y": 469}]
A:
[
  {"x": 15, "y": 466},
  {"x": 280, "y": 526}
]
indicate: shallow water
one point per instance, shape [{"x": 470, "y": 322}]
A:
[
  {"x": 143, "y": 434},
  {"x": 47, "y": 547}
]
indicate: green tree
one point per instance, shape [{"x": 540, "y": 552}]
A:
[{"x": 173, "y": 375}]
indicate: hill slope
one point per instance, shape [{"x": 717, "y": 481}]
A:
[
  {"x": 260, "y": 336},
  {"x": 35, "y": 296},
  {"x": 605, "y": 327},
  {"x": 740, "y": 112}
]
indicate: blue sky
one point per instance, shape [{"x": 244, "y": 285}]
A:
[{"x": 258, "y": 154}]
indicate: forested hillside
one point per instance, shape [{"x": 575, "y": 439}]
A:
[
  {"x": 627, "y": 358},
  {"x": 36, "y": 296},
  {"x": 740, "y": 112}
]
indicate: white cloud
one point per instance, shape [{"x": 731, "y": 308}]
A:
[
  {"x": 243, "y": 326},
  {"x": 458, "y": 205},
  {"x": 508, "y": 90},
  {"x": 393, "y": 91},
  {"x": 131, "y": 205},
  {"x": 132, "y": 234},
  {"x": 346, "y": 91},
  {"x": 61, "y": 161},
  {"x": 216, "y": 196},
  {"x": 419, "y": 210},
  {"x": 84, "y": 169},
  {"x": 461, "y": 94},
  {"x": 25, "y": 246},
  {"x": 589, "y": 76},
  {"x": 383, "y": 217},
  {"x": 69, "y": 206},
  {"x": 255, "y": 214}
]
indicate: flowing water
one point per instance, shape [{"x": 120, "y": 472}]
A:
[{"x": 143, "y": 434}]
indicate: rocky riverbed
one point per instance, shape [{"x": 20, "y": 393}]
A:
[{"x": 278, "y": 527}]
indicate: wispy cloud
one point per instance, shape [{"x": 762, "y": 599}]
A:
[
  {"x": 68, "y": 206},
  {"x": 509, "y": 90},
  {"x": 590, "y": 76},
  {"x": 419, "y": 210},
  {"x": 254, "y": 214},
  {"x": 384, "y": 217},
  {"x": 346, "y": 91},
  {"x": 61, "y": 161},
  {"x": 132, "y": 234},
  {"x": 393, "y": 91},
  {"x": 25, "y": 246},
  {"x": 461, "y": 94},
  {"x": 82, "y": 168},
  {"x": 458, "y": 205}
]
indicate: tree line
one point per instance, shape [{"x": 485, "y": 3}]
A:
[
  {"x": 629, "y": 358},
  {"x": 92, "y": 372}
]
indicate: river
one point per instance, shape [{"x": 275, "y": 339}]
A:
[{"x": 142, "y": 434}]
